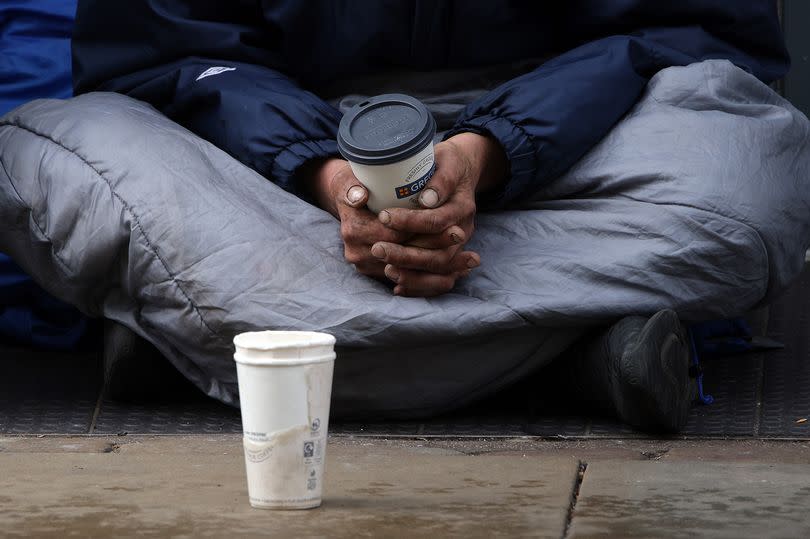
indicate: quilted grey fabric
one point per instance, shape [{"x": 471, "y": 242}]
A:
[{"x": 699, "y": 200}]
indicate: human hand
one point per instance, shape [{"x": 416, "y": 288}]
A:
[
  {"x": 339, "y": 192},
  {"x": 431, "y": 262}
]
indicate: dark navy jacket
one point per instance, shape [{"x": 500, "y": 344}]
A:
[{"x": 267, "y": 112}]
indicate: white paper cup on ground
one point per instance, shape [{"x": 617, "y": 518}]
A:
[
  {"x": 285, "y": 386},
  {"x": 388, "y": 141}
]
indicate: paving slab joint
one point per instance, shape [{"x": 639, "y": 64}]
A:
[{"x": 580, "y": 476}]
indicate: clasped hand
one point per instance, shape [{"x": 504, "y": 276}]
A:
[{"x": 420, "y": 250}]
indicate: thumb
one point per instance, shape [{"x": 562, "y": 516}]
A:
[
  {"x": 445, "y": 180},
  {"x": 356, "y": 195},
  {"x": 347, "y": 189}
]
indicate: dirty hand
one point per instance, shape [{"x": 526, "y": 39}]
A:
[
  {"x": 339, "y": 192},
  {"x": 433, "y": 259}
]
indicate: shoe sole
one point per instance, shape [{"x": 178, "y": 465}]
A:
[{"x": 654, "y": 381}]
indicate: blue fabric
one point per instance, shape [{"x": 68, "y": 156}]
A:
[
  {"x": 268, "y": 112},
  {"x": 34, "y": 63},
  {"x": 696, "y": 370},
  {"x": 29, "y": 315},
  {"x": 35, "y": 45}
]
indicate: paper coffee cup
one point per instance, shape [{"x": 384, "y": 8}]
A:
[
  {"x": 388, "y": 141},
  {"x": 285, "y": 386}
]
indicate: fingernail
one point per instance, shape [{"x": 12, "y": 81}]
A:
[
  {"x": 355, "y": 194},
  {"x": 378, "y": 251},
  {"x": 391, "y": 273},
  {"x": 464, "y": 274},
  {"x": 473, "y": 263},
  {"x": 429, "y": 198},
  {"x": 455, "y": 237},
  {"x": 384, "y": 217}
]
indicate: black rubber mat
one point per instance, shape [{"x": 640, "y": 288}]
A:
[
  {"x": 786, "y": 380},
  {"x": 197, "y": 416},
  {"x": 734, "y": 384},
  {"x": 47, "y": 392}
]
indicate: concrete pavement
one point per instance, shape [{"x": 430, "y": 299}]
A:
[
  {"x": 194, "y": 486},
  {"x": 693, "y": 499}
]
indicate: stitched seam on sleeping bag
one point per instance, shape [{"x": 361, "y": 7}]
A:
[
  {"x": 129, "y": 210},
  {"x": 62, "y": 263}
]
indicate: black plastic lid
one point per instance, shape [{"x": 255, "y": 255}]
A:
[{"x": 385, "y": 129}]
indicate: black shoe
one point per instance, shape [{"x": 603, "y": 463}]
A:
[{"x": 639, "y": 367}]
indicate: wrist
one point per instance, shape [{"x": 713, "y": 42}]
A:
[
  {"x": 487, "y": 159},
  {"x": 317, "y": 176}
]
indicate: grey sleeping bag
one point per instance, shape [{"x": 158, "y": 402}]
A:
[{"x": 699, "y": 200}]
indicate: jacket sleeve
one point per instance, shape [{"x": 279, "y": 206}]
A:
[
  {"x": 210, "y": 70},
  {"x": 549, "y": 118}
]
